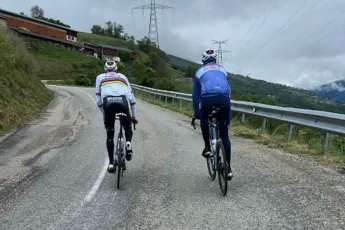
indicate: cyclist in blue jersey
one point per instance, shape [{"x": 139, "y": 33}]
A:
[{"x": 210, "y": 88}]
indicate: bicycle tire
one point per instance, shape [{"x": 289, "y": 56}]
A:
[
  {"x": 119, "y": 160},
  {"x": 222, "y": 169},
  {"x": 119, "y": 167}
]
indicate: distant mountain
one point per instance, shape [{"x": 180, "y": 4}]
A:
[
  {"x": 335, "y": 90},
  {"x": 283, "y": 95}
]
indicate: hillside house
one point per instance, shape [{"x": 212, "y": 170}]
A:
[
  {"x": 18, "y": 21},
  {"x": 104, "y": 51}
]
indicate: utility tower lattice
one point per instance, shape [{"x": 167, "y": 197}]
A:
[
  {"x": 153, "y": 28},
  {"x": 220, "y": 51}
]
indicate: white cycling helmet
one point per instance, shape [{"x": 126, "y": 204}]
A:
[
  {"x": 110, "y": 66},
  {"x": 209, "y": 55}
]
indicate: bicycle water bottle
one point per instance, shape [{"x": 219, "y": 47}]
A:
[{"x": 214, "y": 144}]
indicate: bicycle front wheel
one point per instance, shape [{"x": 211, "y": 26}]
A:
[
  {"x": 222, "y": 169},
  {"x": 211, "y": 166},
  {"x": 119, "y": 167}
]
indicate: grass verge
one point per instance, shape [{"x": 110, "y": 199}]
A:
[{"x": 22, "y": 94}]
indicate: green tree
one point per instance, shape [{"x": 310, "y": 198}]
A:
[
  {"x": 125, "y": 56},
  {"x": 131, "y": 44},
  {"x": 165, "y": 84},
  {"x": 109, "y": 29},
  {"x": 189, "y": 71},
  {"x": 118, "y": 30},
  {"x": 125, "y": 37},
  {"x": 154, "y": 59},
  {"x": 82, "y": 80},
  {"x": 37, "y": 12},
  {"x": 145, "y": 45},
  {"x": 97, "y": 29}
]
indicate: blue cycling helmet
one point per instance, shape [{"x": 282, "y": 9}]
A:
[{"x": 209, "y": 56}]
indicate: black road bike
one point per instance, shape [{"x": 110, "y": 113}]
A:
[
  {"x": 120, "y": 159},
  {"x": 216, "y": 162}
]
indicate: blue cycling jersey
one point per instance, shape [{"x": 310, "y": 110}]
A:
[{"x": 209, "y": 79}]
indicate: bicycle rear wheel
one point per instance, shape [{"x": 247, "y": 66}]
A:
[
  {"x": 222, "y": 169},
  {"x": 119, "y": 167},
  {"x": 119, "y": 160}
]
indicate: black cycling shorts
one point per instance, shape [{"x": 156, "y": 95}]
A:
[{"x": 113, "y": 105}]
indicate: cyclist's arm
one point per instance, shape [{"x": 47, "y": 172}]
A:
[
  {"x": 98, "y": 93},
  {"x": 196, "y": 95},
  {"x": 131, "y": 98}
]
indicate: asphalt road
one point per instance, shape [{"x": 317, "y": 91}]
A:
[{"x": 53, "y": 176}]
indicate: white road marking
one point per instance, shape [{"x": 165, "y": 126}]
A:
[
  {"x": 101, "y": 176},
  {"x": 98, "y": 182},
  {"x": 88, "y": 94}
]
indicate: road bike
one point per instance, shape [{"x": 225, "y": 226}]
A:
[
  {"x": 120, "y": 159},
  {"x": 216, "y": 162}
]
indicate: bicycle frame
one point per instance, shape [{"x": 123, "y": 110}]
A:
[
  {"x": 120, "y": 135},
  {"x": 213, "y": 128}
]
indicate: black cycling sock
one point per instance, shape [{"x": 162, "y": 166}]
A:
[
  {"x": 205, "y": 136},
  {"x": 110, "y": 146},
  {"x": 228, "y": 156},
  {"x": 128, "y": 134}
]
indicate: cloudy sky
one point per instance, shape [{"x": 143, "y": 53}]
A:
[{"x": 306, "y": 51}]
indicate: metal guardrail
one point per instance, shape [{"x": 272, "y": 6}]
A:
[{"x": 325, "y": 121}]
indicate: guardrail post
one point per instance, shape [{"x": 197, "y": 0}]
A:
[
  {"x": 243, "y": 117},
  {"x": 325, "y": 143},
  {"x": 154, "y": 97},
  {"x": 263, "y": 127},
  {"x": 166, "y": 99},
  {"x": 290, "y": 132},
  {"x": 180, "y": 104}
]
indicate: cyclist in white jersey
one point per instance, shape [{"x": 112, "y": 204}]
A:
[{"x": 114, "y": 95}]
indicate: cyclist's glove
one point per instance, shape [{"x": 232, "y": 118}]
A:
[{"x": 100, "y": 107}]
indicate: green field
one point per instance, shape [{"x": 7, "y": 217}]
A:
[{"x": 58, "y": 63}]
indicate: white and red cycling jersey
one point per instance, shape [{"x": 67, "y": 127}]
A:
[{"x": 114, "y": 84}]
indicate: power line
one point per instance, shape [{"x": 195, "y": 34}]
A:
[
  {"x": 327, "y": 23},
  {"x": 267, "y": 41},
  {"x": 329, "y": 34},
  {"x": 262, "y": 12},
  {"x": 259, "y": 26},
  {"x": 316, "y": 31},
  {"x": 303, "y": 15},
  {"x": 153, "y": 28}
]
